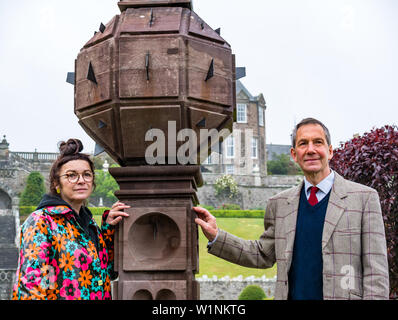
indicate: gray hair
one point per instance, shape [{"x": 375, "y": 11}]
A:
[{"x": 310, "y": 121}]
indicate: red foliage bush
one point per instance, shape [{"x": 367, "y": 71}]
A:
[{"x": 372, "y": 160}]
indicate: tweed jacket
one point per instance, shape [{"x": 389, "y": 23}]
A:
[{"x": 354, "y": 249}]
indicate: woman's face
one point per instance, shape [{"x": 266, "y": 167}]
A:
[{"x": 75, "y": 185}]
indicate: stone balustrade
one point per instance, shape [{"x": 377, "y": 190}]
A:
[
  {"x": 37, "y": 156},
  {"x": 227, "y": 288}
]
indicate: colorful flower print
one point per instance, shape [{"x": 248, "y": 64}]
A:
[
  {"x": 96, "y": 295},
  {"x": 66, "y": 261},
  {"x": 70, "y": 290},
  {"x": 32, "y": 278},
  {"x": 85, "y": 278},
  {"x": 82, "y": 259},
  {"x": 58, "y": 260},
  {"x": 104, "y": 258}
]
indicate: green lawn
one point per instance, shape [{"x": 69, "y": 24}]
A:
[{"x": 210, "y": 265}]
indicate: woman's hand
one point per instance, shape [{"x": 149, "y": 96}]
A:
[{"x": 116, "y": 214}]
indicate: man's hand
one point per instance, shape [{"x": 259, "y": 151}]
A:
[{"x": 207, "y": 222}]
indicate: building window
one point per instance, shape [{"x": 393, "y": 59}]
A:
[
  {"x": 208, "y": 160},
  {"x": 254, "y": 148},
  {"x": 256, "y": 168},
  {"x": 261, "y": 116},
  {"x": 242, "y": 113},
  {"x": 229, "y": 169},
  {"x": 230, "y": 147}
]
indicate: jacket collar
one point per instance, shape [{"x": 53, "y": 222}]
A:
[{"x": 57, "y": 210}]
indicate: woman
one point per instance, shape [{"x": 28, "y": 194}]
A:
[{"x": 63, "y": 253}]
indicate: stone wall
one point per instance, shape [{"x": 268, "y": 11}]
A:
[
  {"x": 254, "y": 191},
  {"x": 230, "y": 289},
  {"x": 9, "y": 241}
]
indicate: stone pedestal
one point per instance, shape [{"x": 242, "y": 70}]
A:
[{"x": 156, "y": 248}]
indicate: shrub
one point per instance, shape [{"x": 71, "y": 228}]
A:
[
  {"x": 372, "y": 160},
  {"x": 252, "y": 292},
  {"x": 226, "y": 186},
  {"x": 34, "y": 190}
]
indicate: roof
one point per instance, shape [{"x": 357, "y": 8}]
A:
[{"x": 240, "y": 87}]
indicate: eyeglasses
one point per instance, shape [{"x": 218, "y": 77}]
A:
[{"x": 73, "y": 177}]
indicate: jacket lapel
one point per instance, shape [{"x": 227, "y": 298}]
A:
[
  {"x": 334, "y": 212},
  {"x": 335, "y": 208},
  {"x": 290, "y": 222}
]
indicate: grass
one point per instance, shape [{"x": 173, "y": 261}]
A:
[
  {"x": 210, "y": 265},
  {"x": 246, "y": 228}
]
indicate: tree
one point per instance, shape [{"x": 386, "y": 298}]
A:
[
  {"x": 283, "y": 165},
  {"x": 372, "y": 160},
  {"x": 105, "y": 189},
  {"x": 34, "y": 190}
]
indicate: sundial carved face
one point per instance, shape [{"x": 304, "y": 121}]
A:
[{"x": 150, "y": 65}]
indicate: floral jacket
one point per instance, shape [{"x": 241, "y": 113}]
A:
[{"x": 59, "y": 261}]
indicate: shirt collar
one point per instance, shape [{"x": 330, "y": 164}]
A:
[{"x": 325, "y": 185}]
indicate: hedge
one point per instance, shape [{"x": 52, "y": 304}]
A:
[
  {"x": 238, "y": 213},
  {"x": 26, "y": 210},
  {"x": 96, "y": 211},
  {"x": 217, "y": 213}
]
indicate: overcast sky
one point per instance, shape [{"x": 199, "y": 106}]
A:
[{"x": 335, "y": 60}]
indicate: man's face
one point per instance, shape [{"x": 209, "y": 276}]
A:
[{"x": 312, "y": 152}]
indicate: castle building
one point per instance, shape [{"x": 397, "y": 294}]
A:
[{"x": 244, "y": 152}]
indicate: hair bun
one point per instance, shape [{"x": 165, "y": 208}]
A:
[{"x": 71, "y": 147}]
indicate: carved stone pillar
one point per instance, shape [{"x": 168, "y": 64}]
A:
[{"x": 156, "y": 250}]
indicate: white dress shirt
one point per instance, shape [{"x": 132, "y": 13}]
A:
[{"x": 324, "y": 186}]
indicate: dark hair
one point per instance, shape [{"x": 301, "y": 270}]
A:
[
  {"x": 310, "y": 121},
  {"x": 69, "y": 151}
]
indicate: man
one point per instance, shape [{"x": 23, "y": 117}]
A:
[{"x": 326, "y": 235}]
